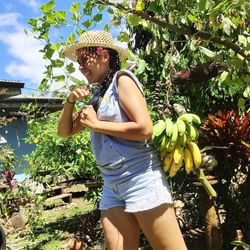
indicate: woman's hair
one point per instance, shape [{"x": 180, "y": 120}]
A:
[{"x": 114, "y": 66}]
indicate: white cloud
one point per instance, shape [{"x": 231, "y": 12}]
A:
[
  {"x": 9, "y": 20},
  {"x": 34, "y": 4},
  {"x": 27, "y": 62}
]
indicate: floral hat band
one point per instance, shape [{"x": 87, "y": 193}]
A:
[{"x": 94, "y": 38}]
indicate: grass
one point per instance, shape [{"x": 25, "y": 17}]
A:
[{"x": 60, "y": 225}]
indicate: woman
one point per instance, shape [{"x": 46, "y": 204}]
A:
[{"x": 135, "y": 193}]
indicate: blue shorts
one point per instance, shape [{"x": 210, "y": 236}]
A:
[{"x": 142, "y": 192}]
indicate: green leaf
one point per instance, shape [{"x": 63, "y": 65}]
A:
[
  {"x": 61, "y": 15},
  {"x": 107, "y": 27},
  {"x": 57, "y": 63},
  {"x": 207, "y": 52},
  {"x": 241, "y": 104},
  {"x": 50, "y": 18},
  {"x": 219, "y": 6},
  {"x": 110, "y": 10},
  {"x": 141, "y": 67},
  {"x": 87, "y": 23},
  {"x": 246, "y": 92},
  {"x": 223, "y": 76},
  {"x": 97, "y": 18},
  {"x": 70, "y": 39},
  {"x": 76, "y": 81},
  {"x": 60, "y": 78},
  {"x": 55, "y": 46},
  {"x": 133, "y": 20},
  {"x": 79, "y": 32},
  {"x": 46, "y": 8},
  {"x": 243, "y": 40},
  {"x": 101, "y": 7},
  {"x": 202, "y": 4},
  {"x": 48, "y": 52},
  {"x": 32, "y": 22},
  {"x": 88, "y": 7},
  {"x": 123, "y": 37},
  {"x": 139, "y": 5},
  {"x": 70, "y": 68},
  {"x": 74, "y": 7},
  {"x": 192, "y": 18}
]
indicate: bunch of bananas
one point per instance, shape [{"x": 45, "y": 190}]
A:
[{"x": 177, "y": 143}]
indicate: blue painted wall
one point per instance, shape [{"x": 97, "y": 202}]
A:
[{"x": 14, "y": 133}]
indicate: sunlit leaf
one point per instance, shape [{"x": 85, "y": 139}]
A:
[
  {"x": 133, "y": 20},
  {"x": 46, "y": 8},
  {"x": 139, "y": 5},
  {"x": 70, "y": 39},
  {"x": 207, "y": 52},
  {"x": 97, "y": 18},
  {"x": 74, "y": 7}
]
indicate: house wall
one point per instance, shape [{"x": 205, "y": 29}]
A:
[{"x": 14, "y": 133}]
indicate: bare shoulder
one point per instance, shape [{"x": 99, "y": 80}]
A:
[{"x": 126, "y": 83}]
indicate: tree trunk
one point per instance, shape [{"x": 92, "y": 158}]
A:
[{"x": 211, "y": 221}]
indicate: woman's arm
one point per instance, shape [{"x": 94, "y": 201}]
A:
[
  {"x": 69, "y": 123},
  {"x": 132, "y": 101}
]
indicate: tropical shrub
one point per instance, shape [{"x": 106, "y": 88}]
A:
[{"x": 59, "y": 157}]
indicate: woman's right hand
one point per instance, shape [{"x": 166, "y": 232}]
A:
[{"x": 79, "y": 93}]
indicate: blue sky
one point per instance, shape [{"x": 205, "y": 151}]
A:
[{"x": 19, "y": 53}]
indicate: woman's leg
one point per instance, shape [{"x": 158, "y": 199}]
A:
[
  {"x": 161, "y": 228},
  {"x": 121, "y": 229}
]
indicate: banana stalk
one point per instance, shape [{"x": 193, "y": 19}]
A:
[{"x": 205, "y": 183}]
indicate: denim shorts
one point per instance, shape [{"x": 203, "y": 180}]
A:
[{"x": 142, "y": 192}]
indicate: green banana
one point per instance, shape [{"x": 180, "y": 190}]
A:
[
  {"x": 163, "y": 142},
  {"x": 183, "y": 140},
  {"x": 196, "y": 119},
  {"x": 181, "y": 126},
  {"x": 186, "y": 117},
  {"x": 170, "y": 147},
  {"x": 158, "y": 128},
  {"x": 192, "y": 132},
  {"x": 174, "y": 135},
  {"x": 169, "y": 126}
]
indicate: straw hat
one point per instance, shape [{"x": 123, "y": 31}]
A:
[{"x": 94, "y": 38}]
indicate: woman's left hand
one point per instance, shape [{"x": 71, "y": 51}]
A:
[{"x": 88, "y": 117}]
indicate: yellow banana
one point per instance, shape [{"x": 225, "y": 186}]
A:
[
  {"x": 163, "y": 153},
  {"x": 174, "y": 135},
  {"x": 178, "y": 153},
  {"x": 194, "y": 149},
  {"x": 175, "y": 167},
  {"x": 169, "y": 126},
  {"x": 181, "y": 126},
  {"x": 192, "y": 132},
  {"x": 167, "y": 161},
  {"x": 188, "y": 159}
]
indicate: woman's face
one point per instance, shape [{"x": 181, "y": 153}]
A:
[{"x": 94, "y": 67}]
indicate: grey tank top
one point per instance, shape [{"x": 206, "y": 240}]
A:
[{"x": 120, "y": 159}]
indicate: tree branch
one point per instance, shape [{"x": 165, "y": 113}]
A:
[
  {"x": 200, "y": 73},
  {"x": 184, "y": 30}
]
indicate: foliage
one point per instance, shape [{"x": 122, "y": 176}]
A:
[
  {"x": 164, "y": 37},
  {"x": 59, "y": 156},
  {"x": 231, "y": 130},
  {"x": 7, "y": 159}
]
